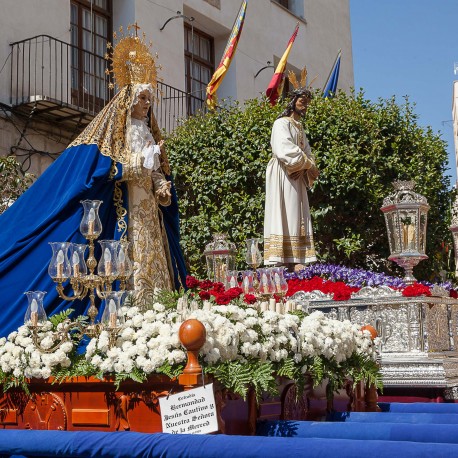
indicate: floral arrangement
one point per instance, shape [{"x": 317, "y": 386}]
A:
[
  {"x": 21, "y": 360},
  {"x": 245, "y": 348},
  {"x": 341, "y": 282}
]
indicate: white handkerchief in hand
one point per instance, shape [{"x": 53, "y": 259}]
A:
[{"x": 151, "y": 155}]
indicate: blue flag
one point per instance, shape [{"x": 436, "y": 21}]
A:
[{"x": 330, "y": 87}]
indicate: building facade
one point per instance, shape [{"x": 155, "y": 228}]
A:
[
  {"x": 455, "y": 122},
  {"x": 52, "y": 79}
]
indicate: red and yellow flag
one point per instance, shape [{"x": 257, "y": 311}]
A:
[
  {"x": 275, "y": 87},
  {"x": 228, "y": 54}
]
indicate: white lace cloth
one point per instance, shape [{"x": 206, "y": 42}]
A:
[{"x": 142, "y": 142}]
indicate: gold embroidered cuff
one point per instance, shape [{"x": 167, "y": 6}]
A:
[{"x": 304, "y": 163}]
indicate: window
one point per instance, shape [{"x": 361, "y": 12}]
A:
[
  {"x": 284, "y": 3},
  {"x": 90, "y": 32},
  {"x": 294, "y": 6},
  {"x": 199, "y": 66}
]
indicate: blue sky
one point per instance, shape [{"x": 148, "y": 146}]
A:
[{"x": 408, "y": 47}]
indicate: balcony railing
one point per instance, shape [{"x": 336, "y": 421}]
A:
[{"x": 68, "y": 85}]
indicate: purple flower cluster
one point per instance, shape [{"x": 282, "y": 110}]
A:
[{"x": 353, "y": 277}]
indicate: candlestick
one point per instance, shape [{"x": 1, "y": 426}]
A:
[
  {"x": 277, "y": 282},
  {"x": 254, "y": 260},
  {"x": 34, "y": 312},
  {"x": 121, "y": 262},
  {"x": 107, "y": 260},
  {"x": 60, "y": 264},
  {"x": 91, "y": 222},
  {"x": 113, "y": 315},
  {"x": 233, "y": 282},
  {"x": 246, "y": 285},
  {"x": 76, "y": 264},
  {"x": 272, "y": 304}
]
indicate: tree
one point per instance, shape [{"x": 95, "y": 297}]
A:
[
  {"x": 13, "y": 181},
  {"x": 219, "y": 160}
]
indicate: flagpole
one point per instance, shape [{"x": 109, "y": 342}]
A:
[{"x": 332, "y": 69}]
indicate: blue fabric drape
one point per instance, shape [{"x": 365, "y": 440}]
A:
[
  {"x": 50, "y": 211},
  {"x": 439, "y": 433},
  {"x": 419, "y": 407},
  {"x": 132, "y": 445},
  {"x": 388, "y": 417},
  {"x": 171, "y": 220}
]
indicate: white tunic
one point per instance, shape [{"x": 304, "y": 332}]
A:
[{"x": 288, "y": 236}]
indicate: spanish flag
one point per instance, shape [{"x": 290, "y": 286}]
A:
[
  {"x": 275, "y": 87},
  {"x": 228, "y": 54}
]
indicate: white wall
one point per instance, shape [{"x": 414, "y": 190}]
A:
[
  {"x": 455, "y": 122},
  {"x": 324, "y": 29}
]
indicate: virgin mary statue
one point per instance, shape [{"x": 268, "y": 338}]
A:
[{"x": 115, "y": 160}]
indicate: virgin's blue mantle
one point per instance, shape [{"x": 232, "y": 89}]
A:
[{"x": 50, "y": 211}]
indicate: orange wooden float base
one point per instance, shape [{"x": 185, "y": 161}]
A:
[{"x": 83, "y": 404}]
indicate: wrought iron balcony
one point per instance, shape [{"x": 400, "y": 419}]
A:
[{"x": 67, "y": 86}]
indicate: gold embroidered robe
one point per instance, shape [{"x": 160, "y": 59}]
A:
[{"x": 145, "y": 231}]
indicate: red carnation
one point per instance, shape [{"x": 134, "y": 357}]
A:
[
  {"x": 417, "y": 289},
  {"x": 341, "y": 295},
  {"x": 454, "y": 293},
  {"x": 206, "y": 285},
  {"x": 192, "y": 282},
  {"x": 219, "y": 287},
  {"x": 204, "y": 295},
  {"x": 249, "y": 299},
  {"x": 223, "y": 299},
  {"x": 234, "y": 292}
]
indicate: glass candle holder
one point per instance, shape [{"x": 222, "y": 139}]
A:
[
  {"x": 266, "y": 286},
  {"x": 232, "y": 279},
  {"x": 91, "y": 226},
  {"x": 59, "y": 266},
  {"x": 220, "y": 256},
  {"x": 279, "y": 281},
  {"x": 77, "y": 262},
  {"x": 112, "y": 316},
  {"x": 124, "y": 263},
  {"x": 35, "y": 314},
  {"x": 253, "y": 255},
  {"x": 247, "y": 282},
  {"x": 108, "y": 264}
]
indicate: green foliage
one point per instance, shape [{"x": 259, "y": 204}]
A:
[
  {"x": 80, "y": 367},
  {"x": 361, "y": 368},
  {"x": 8, "y": 381},
  {"x": 13, "y": 181},
  {"x": 239, "y": 377},
  {"x": 135, "y": 374},
  {"x": 219, "y": 161},
  {"x": 60, "y": 317},
  {"x": 361, "y": 148},
  {"x": 170, "y": 371}
]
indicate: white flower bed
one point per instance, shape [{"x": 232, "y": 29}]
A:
[
  {"x": 233, "y": 333},
  {"x": 20, "y": 357},
  {"x": 150, "y": 339}
]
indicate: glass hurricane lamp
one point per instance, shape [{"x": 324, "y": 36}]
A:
[{"x": 406, "y": 218}]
